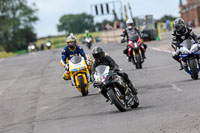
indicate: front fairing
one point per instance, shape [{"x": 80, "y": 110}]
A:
[{"x": 189, "y": 49}]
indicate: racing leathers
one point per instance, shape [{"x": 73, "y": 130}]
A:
[
  {"x": 87, "y": 35},
  {"x": 67, "y": 54},
  {"x": 132, "y": 34},
  {"x": 177, "y": 39},
  {"x": 108, "y": 61}
]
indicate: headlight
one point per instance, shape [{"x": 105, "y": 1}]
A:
[
  {"x": 184, "y": 50},
  {"x": 194, "y": 49},
  {"x": 81, "y": 68}
]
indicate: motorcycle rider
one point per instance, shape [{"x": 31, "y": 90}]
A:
[
  {"x": 180, "y": 33},
  {"x": 100, "y": 58},
  {"x": 131, "y": 32},
  {"x": 72, "y": 49},
  {"x": 87, "y": 34}
]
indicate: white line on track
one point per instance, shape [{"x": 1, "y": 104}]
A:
[
  {"x": 157, "y": 49},
  {"x": 44, "y": 108},
  {"x": 175, "y": 87}
]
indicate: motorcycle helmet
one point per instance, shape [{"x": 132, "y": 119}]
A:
[
  {"x": 129, "y": 24},
  {"x": 98, "y": 53},
  {"x": 179, "y": 25},
  {"x": 71, "y": 41}
]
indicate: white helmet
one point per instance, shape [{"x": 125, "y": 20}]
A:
[{"x": 129, "y": 23}]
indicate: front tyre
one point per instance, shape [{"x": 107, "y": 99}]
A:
[
  {"x": 82, "y": 86},
  {"x": 139, "y": 61},
  {"x": 116, "y": 100},
  {"x": 193, "y": 68}
]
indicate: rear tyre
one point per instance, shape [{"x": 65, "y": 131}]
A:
[
  {"x": 116, "y": 100},
  {"x": 193, "y": 68},
  {"x": 82, "y": 86},
  {"x": 136, "y": 102}
]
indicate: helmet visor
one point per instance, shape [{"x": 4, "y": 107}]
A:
[
  {"x": 97, "y": 55},
  {"x": 70, "y": 43},
  {"x": 179, "y": 27}
]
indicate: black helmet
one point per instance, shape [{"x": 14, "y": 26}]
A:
[
  {"x": 179, "y": 25},
  {"x": 98, "y": 53}
]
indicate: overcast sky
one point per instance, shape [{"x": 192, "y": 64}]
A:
[{"x": 50, "y": 11}]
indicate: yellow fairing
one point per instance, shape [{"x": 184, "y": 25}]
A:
[
  {"x": 133, "y": 52},
  {"x": 85, "y": 82},
  {"x": 140, "y": 52},
  {"x": 83, "y": 74},
  {"x": 66, "y": 76}
]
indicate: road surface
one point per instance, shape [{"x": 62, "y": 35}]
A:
[{"x": 35, "y": 99}]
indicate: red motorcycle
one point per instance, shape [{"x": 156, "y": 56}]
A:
[{"x": 135, "y": 52}]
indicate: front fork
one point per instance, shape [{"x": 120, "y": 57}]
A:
[{"x": 185, "y": 65}]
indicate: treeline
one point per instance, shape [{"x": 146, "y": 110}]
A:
[
  {"x": 16, "y": 24},
  {"x": 78, "y": 23}
]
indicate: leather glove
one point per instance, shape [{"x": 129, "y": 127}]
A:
[
  {"x": 177, "y": 50},
  {"x": 66, "y": 67},
  {"x": 123, "y": 40},
  {"x": 87, "y": 62}
]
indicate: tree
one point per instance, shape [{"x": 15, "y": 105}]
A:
[
  {"x": 16, "y": 19},
  {"x": 76, "y": 23},
  {"x": 167, "y": 17}
]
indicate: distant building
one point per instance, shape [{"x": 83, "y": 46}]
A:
[{"x": 190, "y": 12}]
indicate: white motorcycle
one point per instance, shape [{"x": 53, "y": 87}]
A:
[{"x": 88, "y": 41}]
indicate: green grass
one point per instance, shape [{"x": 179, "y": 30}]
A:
[
  {"x": 57, "y": 42},
  {"x": 60, "y": 41},
  {"x": 5, "y": 54}
]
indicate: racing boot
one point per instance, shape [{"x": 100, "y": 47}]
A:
[
  {"x": 129, "y": 59},
  {"x": 181, "y": 65}
]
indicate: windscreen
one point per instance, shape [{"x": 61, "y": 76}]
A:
[
  {"x": 76, "y": 59},
  {"x": 187, "y": 43},
  {"x": 100, "y": 70}
]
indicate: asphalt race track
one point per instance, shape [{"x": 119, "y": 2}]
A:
[{"x": 35, "y": 99}]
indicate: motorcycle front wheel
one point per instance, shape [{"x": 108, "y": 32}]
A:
[
  {"x": 82, "y": 86},
  {"x": 139, "y": 61},
  {"x": 193, "y": 68},
  {"x": 116, "y": 100}
]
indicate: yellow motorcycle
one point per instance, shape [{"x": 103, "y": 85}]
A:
[{"x": 79, "y": 73}]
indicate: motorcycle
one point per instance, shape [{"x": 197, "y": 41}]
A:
[
  {"x": 48, "y": 45},
  {"x": 135, "y": 52},
  {"x": 114, "y": 88},
  {"x": 88, "y": 41},
  {"x": 31, "y": 48},
  {"x": 190, "y": 55},
  {"x": 79, "y": 73}
]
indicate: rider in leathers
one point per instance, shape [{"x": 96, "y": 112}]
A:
[
  {"x": 179, "y": 34},
  {"x": 132, "y": 33},
  {"x": 102, "y": 59},
  {"x": 72, "y": 49}
]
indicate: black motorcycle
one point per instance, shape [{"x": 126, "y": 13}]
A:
[{"x": 114, "y": 88}]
